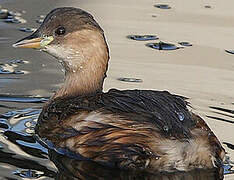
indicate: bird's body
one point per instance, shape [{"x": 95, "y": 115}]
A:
[{"x": 131, "y": 129}]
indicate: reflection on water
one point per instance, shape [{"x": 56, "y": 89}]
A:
[
  {"x": 162, "y": 46},
  {"x": 11, "y": 16},
  {"x": 142, "y": 37},
  {"x": 22, "y": 99},
  {"x": 28, "y": 173},
  {"x": 20, "y": 152},
  {"x": 10, "y": 67},
  {"x": 162, "y": 6},
  {"x": 74, "y": 169},
  {"x": 228, "y": 168},
  {"x": 22, "y": 156},
  {"x": 183, "y": 43},
  {"x": 28, "y": 30},
  {"x": 22, "y": 165},
  {"x": 229, "y": 145},
  {"x": 223, "y": 114},
  {"x": 130, "y": 79}
]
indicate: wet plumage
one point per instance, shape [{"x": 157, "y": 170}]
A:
[
  {"x": 130, "y": 129},
  {"x": 134, "y": 129}
]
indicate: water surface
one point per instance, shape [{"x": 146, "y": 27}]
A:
[{"x": 28, "y": 78}]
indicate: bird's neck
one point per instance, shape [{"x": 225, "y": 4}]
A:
[
  {"x": 87, "y": 76},
  {"x": 82, "y": 81}
]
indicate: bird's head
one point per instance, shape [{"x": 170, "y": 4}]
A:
[{"x": 69, "y": 34}]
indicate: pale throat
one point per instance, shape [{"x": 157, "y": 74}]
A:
[{"x": 85, "y": 67}]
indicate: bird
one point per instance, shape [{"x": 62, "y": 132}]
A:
[{"x": 144, "y": 130}]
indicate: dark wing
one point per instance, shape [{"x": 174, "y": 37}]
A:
[
  {"x": 168, "y": 112},
  {"x": 160, "y": 108}
]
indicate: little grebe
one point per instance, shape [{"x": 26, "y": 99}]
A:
[{"x": 130, "y": 129}]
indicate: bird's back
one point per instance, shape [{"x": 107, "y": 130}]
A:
[{"x": 133, "y": 129}]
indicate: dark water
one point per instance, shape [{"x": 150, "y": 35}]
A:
[
  {"x": 230, "y": 51},
  {"x": 162, "y": 46},
  {"x": 162, "y": 6},
  {"x": 142, "y": 37},
  {"x": 183, "y": 43},
  {"x": 228, "y": 113},
  {"x": 130, "y": 79},
  {"x": 28, "y": 30}
]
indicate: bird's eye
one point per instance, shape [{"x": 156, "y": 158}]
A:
[{"x": 60, "y": 30}]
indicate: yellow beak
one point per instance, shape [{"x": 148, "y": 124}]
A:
[{"x": 33, "y": 42}]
